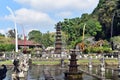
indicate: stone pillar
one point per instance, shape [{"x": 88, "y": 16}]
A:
[
  {"x": 102, "y": 64},
  {"x": 90, "y": 62},
  {"x": 119, "y": 61}
]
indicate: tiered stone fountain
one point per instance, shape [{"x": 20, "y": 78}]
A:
[{"x": 73, "y": 73}]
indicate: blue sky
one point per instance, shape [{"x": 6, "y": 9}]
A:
[{"x": 41, "y": 15}]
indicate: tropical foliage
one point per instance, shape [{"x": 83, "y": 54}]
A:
[
  {"x": 98, "y": 24},
  {"x": 102, "y": 23},
  {"x": 35, "y": 36},
  {"x": 46, "y": 39},
  {"x": 6, "y": 44},
  {"x": 11, "y": 33},
  {"x": 104, "y": 13},
  {"x": 115, "y": 42},
  {"x": 98, "y": 50},
  {"x": 74, "y": 28},
  {"x": 7, "y": 47},
  {"x": 2, "y": 34}
]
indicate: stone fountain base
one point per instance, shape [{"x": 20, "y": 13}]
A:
[{"x": 73, "y": 75}]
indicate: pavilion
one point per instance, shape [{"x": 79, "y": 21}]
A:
[{"x": 27, "y": 44}]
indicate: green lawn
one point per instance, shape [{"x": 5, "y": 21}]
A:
[
  {"x": 7, "y": 62},
  {"x": 80, "y": 62},
  {"x": 46, "y": 62},
  {"x": 57, "y": 62}
]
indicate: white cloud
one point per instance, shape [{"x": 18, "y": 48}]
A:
[
  {"x": 43, "y": 13},
  {"x": 63, "y": 14},
  {"x": 31, "y": 17},
  {"x": 2, "y": 31},
  {"x": 9, "y": 28},
  {"x": 51, "y": 5}
]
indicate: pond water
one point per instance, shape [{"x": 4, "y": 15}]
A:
[{"x": 36, "y": 73}]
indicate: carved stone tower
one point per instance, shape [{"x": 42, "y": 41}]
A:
[{"x": 58, "y": 42}]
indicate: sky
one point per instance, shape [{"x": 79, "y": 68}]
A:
[{"x": 40, "y": 15}]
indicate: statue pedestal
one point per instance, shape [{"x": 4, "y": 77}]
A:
[{"x": 73, "y": 75}]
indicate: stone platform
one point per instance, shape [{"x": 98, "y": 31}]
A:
[{"x": 73, "y": 75}]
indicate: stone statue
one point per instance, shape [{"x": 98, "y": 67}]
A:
[{"x": 16, "y": 66}]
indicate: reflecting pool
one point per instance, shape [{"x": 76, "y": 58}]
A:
[{"x": 36, "y": 73}]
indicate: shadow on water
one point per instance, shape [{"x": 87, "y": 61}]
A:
[{"x": 36, "y": 73}]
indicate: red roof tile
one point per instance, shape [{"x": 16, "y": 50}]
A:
[{"x": 27, "y": 43}]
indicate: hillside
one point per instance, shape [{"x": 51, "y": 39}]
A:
[
  {"x": 97, "y": 24},
  {"x": 104, "y": 14}
]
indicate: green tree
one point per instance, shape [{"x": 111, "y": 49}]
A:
[
  {"x": 6, "y": 44},
  {"x": 7, "y": 47},
  {"x": 35, "y": 36},
  {"x": 73, "y": 28},
  {"x": 93, "y": 27},
  {"x": 11, "y": 33},
  {"x": 2, "y": 35},
  {"x": 104, "y": 13},
  {"x": 47, "y": 39}
]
